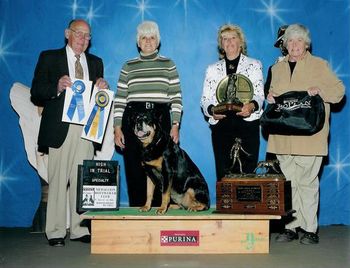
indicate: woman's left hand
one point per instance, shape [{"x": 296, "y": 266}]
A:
[
  {"x": 174, "y": 133},
  {"x": 313, "y": 91},
  {"x": 247, "y": 110}
]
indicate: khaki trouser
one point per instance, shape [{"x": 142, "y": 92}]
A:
[
  {"x": 63, "y": 169},
  {"x": 303, "y": 171}
]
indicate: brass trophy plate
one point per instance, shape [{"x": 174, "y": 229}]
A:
[{"x": 232, "y": 93}]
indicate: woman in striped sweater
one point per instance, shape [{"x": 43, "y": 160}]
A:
[{"x": 149, "y": 81}]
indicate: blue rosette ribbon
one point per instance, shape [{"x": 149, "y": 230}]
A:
[{"x": 77, "y": 103}]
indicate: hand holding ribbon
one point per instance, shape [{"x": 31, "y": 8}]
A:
[{"x": 101, "y": 83}]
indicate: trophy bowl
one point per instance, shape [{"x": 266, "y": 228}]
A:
[{"x": 232, "y": 93}]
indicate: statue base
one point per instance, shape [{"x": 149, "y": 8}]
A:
[{"x": 227, "y": 107}]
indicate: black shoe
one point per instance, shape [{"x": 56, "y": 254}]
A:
[
  {"x": 84, "y": 239},
  {"x": 287, "y": 236},
  {"x": 56, "y": 242},
  {"x": 309, "y": 239}
]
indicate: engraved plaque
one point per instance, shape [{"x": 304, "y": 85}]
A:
[{"x": 248, "y": 193}]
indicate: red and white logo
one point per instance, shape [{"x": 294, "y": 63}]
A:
[{"x": 179, "y": 238}]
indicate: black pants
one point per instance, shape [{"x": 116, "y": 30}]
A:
[
  {"x": 135, "y": 176},
  {"x": 223, "y": 138}
]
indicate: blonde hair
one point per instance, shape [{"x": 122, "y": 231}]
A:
[
  {"x": 148, "y": 28},
  {"x": 297, "y": 30},
  {"x": 240, "y": 34}
]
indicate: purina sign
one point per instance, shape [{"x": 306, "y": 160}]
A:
[{"x": 179, "y": 238}]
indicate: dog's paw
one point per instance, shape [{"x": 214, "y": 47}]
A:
[
  {"x": 161, "y": 211},
  {"x": 174, "y": 206},
  {"x": 198, "y": 207},
  {"x": 145, "y": 209}
]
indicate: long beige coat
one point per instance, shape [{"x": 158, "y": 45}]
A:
[{"x": 309, "y": 72}]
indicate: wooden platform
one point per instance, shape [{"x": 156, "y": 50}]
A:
[{"x": 128, "y": 231}]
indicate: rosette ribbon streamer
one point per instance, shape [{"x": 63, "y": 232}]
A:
[
  {"x": 95, "y": 122},
  {"x": 77, "y": 103}
]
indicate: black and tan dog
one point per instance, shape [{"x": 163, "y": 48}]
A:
[{"x": 169, "y": 167}]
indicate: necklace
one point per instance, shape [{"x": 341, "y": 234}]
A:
[{"x": 231, "y": 66}]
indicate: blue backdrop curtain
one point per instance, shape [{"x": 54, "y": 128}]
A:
[{"x": 188, "y": 35}]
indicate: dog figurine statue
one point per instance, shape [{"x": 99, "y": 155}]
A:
[{"x": 268, "y": 165}]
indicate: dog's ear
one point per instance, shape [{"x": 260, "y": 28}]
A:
[
  {"x": 158, "y": 118},
  {"x": 133, "y": 116}
]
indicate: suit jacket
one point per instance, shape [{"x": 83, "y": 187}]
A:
[
  {"x": 51, "y": 66},
  {"x": 248, "y": 67}
]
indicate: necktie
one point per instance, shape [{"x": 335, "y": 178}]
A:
[{"x": 79, "y": 74}]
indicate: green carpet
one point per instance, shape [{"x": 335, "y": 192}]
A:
[{"x": 152, "y": 212}]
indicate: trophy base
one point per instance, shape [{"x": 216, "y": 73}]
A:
[
  {"x": 269, "y": 194},
  {"x": 227, "y": 107}
]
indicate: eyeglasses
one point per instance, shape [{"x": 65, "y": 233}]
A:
[{"x": 80, "y": 34}]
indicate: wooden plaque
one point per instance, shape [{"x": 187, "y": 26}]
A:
[{"x": 271, "y": 195}]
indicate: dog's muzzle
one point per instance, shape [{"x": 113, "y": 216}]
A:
[
  {"x": 142, "y": 130},
  {"x": 141, "y": 135}
]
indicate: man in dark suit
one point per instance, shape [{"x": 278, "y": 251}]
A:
[{"x": 54, "y": 72}]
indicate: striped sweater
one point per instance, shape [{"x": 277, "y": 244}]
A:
[{"x": 150, "y": 78}]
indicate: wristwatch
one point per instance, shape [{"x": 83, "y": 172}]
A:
[{"x": 176, "y": 124}]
